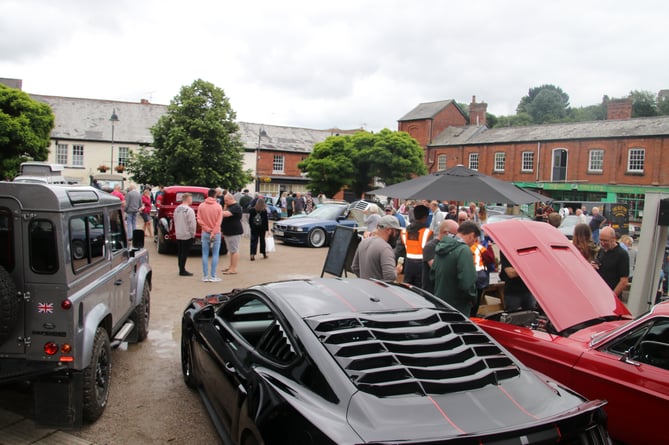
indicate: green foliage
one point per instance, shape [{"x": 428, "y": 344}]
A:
[
  {"x": 25, "y": 127},
  {"x": 546, "y": 103},
  {"x": 589, "y": 113},
  {"x": 196, "y": 142},
  {"x": 517, "y": 120},
  {"x": 663, "y": 106},
  {"x": 330, "y": 165},
  {"x": 354, "y": 161},
  {"x": 643, "y": 104}
]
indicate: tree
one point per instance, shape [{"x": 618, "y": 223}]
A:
[
  {"x": 391, "y": 156},
  {"x": 663, "y": 105},
  {"x": 354, "y": 161},
  {"x": 330, "y": 165},
  {"x": 643, "y": 104},
  {"x": 546, "y": 103},
  {"x": 25, "y": 128},
  {"x": 196, "y": 142}
]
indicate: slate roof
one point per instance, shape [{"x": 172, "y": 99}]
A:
[
  {"x": 426, "y": 110},
  {"x": 624, "y": 128},
  {"x": 88, "y": 120}
]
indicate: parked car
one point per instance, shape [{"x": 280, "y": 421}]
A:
[
  {"x": 317, "y": 228},
  {"x": 568, "y": 224},
  {"x": 171, "y": 199},
  {"x": 351, "y": 361},
  {"x": 71, "y": 289},
  {"x": 582, "y": 335},
  {"x": 273, "y": 211}
]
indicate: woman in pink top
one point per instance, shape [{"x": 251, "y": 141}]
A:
[
  {"x": 146, "y": 212},
  {"x": 209, "y": 216}
]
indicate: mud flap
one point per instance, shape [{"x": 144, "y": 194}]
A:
[{"x": 58, "y": 400}]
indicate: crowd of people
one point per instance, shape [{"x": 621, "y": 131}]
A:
[
  {"x": 223, "y": 217},
  {"x": 444, "y": 250}
]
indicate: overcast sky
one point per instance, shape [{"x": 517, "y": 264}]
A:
[{"x": 343, "y": 64}]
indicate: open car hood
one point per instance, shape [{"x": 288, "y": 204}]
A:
[{"x": 566, "y": 286}]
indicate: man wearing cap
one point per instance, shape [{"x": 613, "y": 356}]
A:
[
  {"x": 453, "y": 269},
  {"x": 390, "y": 211},
  {"x": 374, "y": 257}
]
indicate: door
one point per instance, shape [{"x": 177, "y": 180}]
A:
[
  {"x": 11, "y": 259},
  {"x": 559, "y": 165}
]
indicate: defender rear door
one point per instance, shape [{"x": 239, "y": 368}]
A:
[{"x": 11, "y": 258}]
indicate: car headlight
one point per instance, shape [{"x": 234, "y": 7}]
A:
[{"x": 298, "y": 229}]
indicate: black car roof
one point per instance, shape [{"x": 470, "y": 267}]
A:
[{"x": 391, "y": 340}]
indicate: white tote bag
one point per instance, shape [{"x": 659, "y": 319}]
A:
[{"x": 269, "y": 244}]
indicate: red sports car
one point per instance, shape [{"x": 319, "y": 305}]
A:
[{"x": 582, "y": 335}]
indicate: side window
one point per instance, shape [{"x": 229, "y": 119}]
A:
[
  {"x": 119, "y": 240},
  {"x": 647, "y": 344},
  {"x": 654, "y": 346},
  {"x": 6, "y": 240},
  {"x": 43, "y": 247},
  {"x": 256, "y": 323},
  {"x": 87, "y": 239}
]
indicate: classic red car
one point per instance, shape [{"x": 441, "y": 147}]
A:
[
  {"x": 582, "y": 335},
  {"x": 170, "y": 200}
]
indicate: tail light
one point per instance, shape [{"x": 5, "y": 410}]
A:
[
  {"x": 50, "y": 348},
  {"x": 66, "y": 304}
]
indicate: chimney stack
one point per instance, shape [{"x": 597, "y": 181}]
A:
[
  {"x": 477, "y": 112},
  {"x": 619, "y": 108}
]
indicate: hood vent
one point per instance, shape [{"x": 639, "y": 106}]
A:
[{"x": 424, "y": 352}]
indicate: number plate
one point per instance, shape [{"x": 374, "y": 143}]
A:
[{"x": 278, "y": 233}]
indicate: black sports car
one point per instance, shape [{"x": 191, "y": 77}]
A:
[{"x": 351, "y": 361}]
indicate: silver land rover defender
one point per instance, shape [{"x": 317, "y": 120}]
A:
[{"x": 71, "y": 288}]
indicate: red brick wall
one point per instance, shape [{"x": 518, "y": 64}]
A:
[
  {"x": 419, "y": 130},
  {"x": 266, "y": 161},
  {"x": 614, "y": 169}
]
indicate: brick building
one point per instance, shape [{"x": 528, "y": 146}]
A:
[
  {"x": 84, "y": 138},
  {"x": 617, "y": 159}
]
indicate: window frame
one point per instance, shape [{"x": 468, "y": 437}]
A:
[
  {"x": 62, "y": 154},
  {"x": 442, "y": 160},
  {"x": 499, "y": 162},
  {"x": 78, "y": 155},
  {"x": 630, "y": 161},
  {"x": 474, "y": 161},
  {"x": 89, "y": 258},
  {"x": 123, "y": 156},
  {"x": 46, "y": 252},
  {"x": 591, "y": 160},
  {"x": 278, "y": 164},
  {"x": 523, "y": 167}
]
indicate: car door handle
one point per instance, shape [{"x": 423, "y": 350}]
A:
[
  {"x": 118, "y": 282},
  {"x": 229, "y": 367}
]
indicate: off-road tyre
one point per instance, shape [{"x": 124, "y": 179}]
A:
[
  {"x": 190, "y": 379},
  {"x": 9, "y": 304},
  {"x": 163, "y": 247},
  {"x": 97, "y": 377},
  {"x": 317, "y": 238},
  {"x": 142, "y": 315}
]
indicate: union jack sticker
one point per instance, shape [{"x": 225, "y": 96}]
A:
[{"x": 45, "y": 308}]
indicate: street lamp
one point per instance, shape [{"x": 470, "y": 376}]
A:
[
  {"x": 261, "y": 133},
  {"x": 114, "y": 118}
]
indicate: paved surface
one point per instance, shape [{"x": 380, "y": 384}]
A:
[{"x": 149, "y": 404}]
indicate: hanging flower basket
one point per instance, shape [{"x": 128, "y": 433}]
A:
[
  {"x": 119, "y": 168},
  {"x": 103, "y": 168}
]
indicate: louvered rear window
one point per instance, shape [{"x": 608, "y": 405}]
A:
[{"x": 423, "y": 351}]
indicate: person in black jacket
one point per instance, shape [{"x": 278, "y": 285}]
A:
[{"x": 259, "y": 223}]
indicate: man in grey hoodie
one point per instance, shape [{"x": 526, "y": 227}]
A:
[
  {"x": 185, "y": 227},
  {"x": 453, "y": 269}
]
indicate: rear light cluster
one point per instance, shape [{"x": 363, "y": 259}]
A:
[{"x": 52, "y": 348}]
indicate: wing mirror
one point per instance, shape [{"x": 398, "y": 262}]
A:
[{"x": 628, "y": 357}]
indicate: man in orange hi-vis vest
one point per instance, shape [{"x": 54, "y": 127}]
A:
[{"x": 413, "y": 240}]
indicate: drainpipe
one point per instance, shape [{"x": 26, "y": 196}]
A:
[{"x": 538, "y": 160}]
